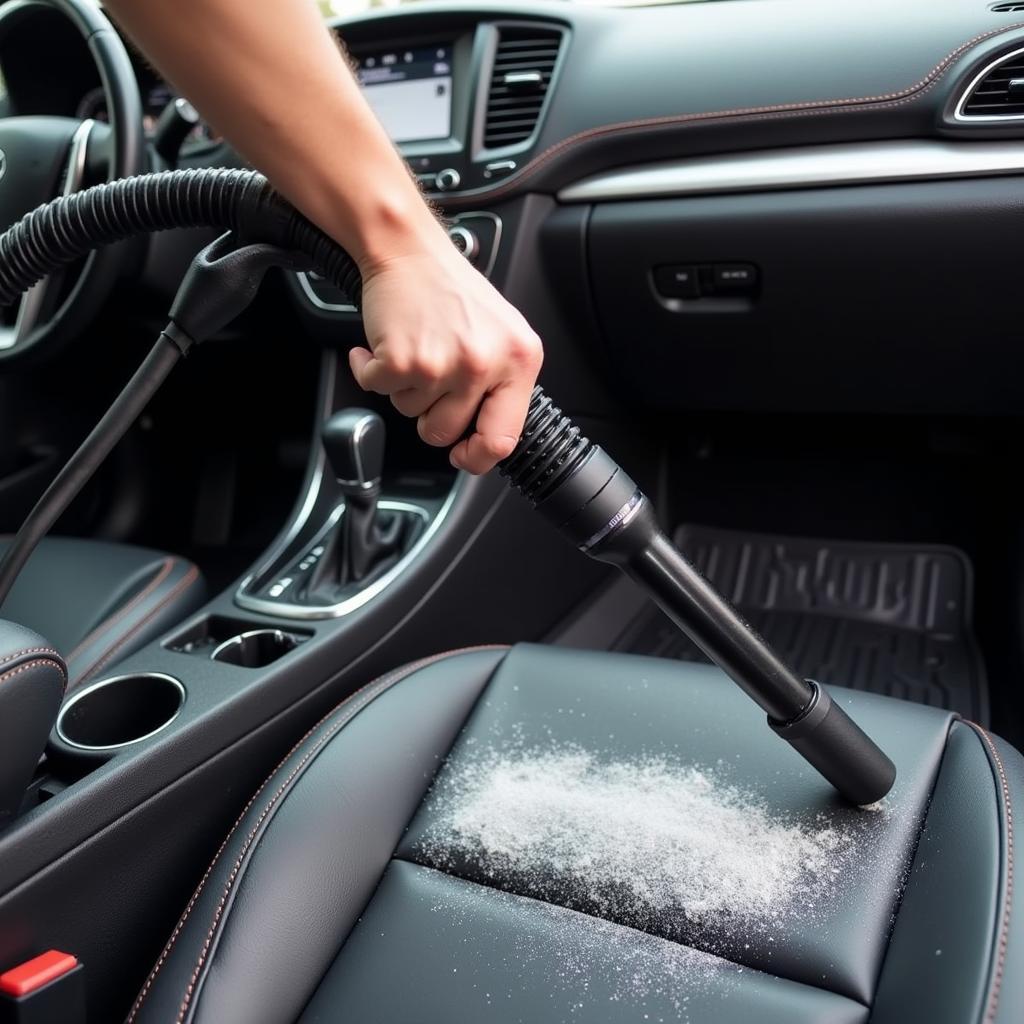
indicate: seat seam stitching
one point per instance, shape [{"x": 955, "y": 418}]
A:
[
  {"x": 8, "y": 658},
  {"x": 183, "y": 584},
  {"x": 632, "y": 928},
  {"x": 29, "y": 665},
  {"x": 839, "y": 105},
  {"x": 112, "y": 620},
  {"x": 995, "y": 990},
  {"x": 401, "y": 673}
]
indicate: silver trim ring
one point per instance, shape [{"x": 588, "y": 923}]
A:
[
  {"x": 239, "y": 639},
  {"x": 110, "y": 681},
  {"x": 958, "y": 113},
  {"x": 35, "y": 297}
]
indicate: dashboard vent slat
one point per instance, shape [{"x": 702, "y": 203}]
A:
[
  {"x": 1009, "y": 8},
  {"x": 527, "y": 55},
  {"x": 998, "y": 92}
]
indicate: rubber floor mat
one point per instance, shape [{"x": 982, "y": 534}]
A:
[{"x": 888, "y": 618}]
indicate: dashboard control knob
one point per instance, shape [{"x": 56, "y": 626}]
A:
[
  {"x": 465, "y": 241},
  {"x": 447, "y": 179}
]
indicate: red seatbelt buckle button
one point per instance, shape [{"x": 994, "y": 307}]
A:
[{"x": 44, "y": 990}]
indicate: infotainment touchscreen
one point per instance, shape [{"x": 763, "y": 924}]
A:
[{"x": 410, "y": 90}]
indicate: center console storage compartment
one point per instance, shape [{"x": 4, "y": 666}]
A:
[{"x": 234, "y": 641}]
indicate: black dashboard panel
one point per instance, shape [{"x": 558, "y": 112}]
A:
[
  {"x": 894, "y": 277},
  {"x": 653, "y": 82},
  {"x": 875, "y": 299}
]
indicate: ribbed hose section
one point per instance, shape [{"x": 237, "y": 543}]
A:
[
  {"x": 68, "y": 228},
  {"x": 550, "y": 450}
]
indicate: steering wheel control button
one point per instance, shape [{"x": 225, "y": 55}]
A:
[
  {"x": 465, "y": 241},
  {"x": 677, "y": 281},
  {"x": 734, "y": 278},
  {"x": 48, "y": 988},
  {"x": 447, "y": 179}
]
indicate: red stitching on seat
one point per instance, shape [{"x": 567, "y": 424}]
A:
[
  {"x": 30, "y": 650},
  {"x": 1004, "y": 930},
  {"x": 162, "y": 573},
  {"x": 183, "y": 584},
  {"x": 381, "y": 684},
  {"x": 35, "y": 664},
  {"x": 804, "y": 108}
]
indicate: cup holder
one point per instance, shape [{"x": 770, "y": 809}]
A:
[
  {"x": 119, "y": 711},
  {"x": 256, "y": 648}
]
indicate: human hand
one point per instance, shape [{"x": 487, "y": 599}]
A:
[{"x": 445, "y": 346}]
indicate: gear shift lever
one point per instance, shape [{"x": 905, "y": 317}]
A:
[{"x": 353, "y": 440}]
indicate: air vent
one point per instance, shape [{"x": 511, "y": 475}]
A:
[
  {"x": 998, "y": 92},
  {"x": 1012, "y": 8},
  {"x": 523, "y": 65}
]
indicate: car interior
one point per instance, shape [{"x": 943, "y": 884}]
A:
[{"x": 300, "y": 724}]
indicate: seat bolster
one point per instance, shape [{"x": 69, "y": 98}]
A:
[
  {"x": 32, "y": 681},
  {"x": 960, "y": 923},
  {"x": 308, "y": 851},
  {"x": 1005, "y": 1003}
]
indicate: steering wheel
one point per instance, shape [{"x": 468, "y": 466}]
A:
[{"x": 42, "y": 157}]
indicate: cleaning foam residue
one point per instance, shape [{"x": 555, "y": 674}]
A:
[{"x": 670, "y": 848}]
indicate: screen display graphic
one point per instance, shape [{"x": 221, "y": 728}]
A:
[{"x": 410, "y": 91}]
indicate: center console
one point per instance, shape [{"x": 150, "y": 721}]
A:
[{"x": 464, "y": 101}]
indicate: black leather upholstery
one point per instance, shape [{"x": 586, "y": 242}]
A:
[
  {"x": 329, "y": 902},
  {"x": 32, "y": 680},
  {"x": 97, "y": 602}
]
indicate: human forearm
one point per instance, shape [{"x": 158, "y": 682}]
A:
[
  {"x": 327, "y": 153},
  {"x": 443, "y": 344}
]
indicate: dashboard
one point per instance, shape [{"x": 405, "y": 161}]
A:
[
  {"x": 746, "y": 205},
  {"x": 809, "y": 190}
]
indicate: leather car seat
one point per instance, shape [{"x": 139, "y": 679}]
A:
[
  {"x": 350, "y": 890},
  {"x": 96, "y": 601}
]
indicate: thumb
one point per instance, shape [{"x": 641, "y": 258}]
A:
[{"x": 358, "y": 358}]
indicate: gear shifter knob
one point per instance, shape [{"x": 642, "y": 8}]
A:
[{"x": 354, "y": 442}]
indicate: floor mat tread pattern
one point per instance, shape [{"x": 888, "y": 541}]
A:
[{"x": 887, "y": 618}]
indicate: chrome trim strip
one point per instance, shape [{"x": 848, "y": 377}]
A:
[
  {"x": 304, "y": 509},
  {"x": 332, "y": 307},
  {"x": 458, "y": 218},
  {"x": 33, "y": 300},
  {"x": 803, "y": 167},
  {"x": 79, "y": 694},
  {"x": 958, "y": 113},
  {"x": 75, "y": 173},
  {"x": 351, "y": 604}
]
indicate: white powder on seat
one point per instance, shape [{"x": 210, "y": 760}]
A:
[{"x": 666, "y": 847}]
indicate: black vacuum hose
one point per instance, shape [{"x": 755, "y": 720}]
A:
[
  {"x": 65, "y": 229},
  {"x": 573, "y": 482}
]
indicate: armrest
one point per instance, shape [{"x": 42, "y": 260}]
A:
[{"x": 32, "y": 681}]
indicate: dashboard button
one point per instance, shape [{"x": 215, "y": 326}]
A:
[
  {"x": 447, "y": 179},
  {"x": 677, "y": 281},
  {"x": 465, "y": 241},
  {"x": 737, "y": 278}
]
